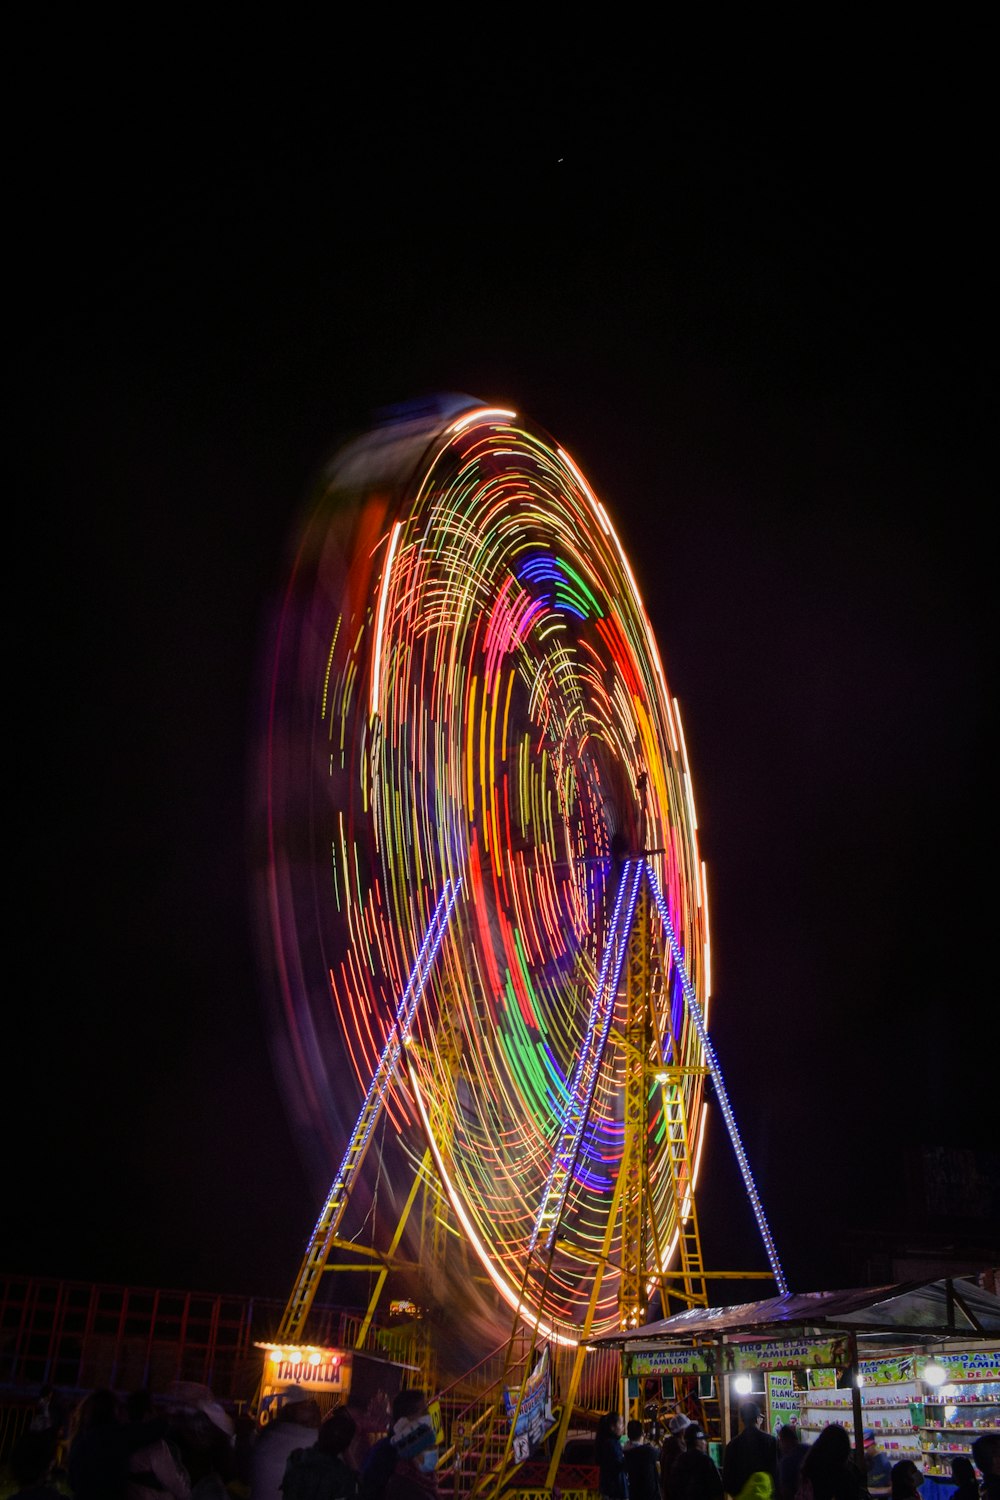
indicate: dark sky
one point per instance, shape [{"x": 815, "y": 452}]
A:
[{"x": 757, "y": 314}]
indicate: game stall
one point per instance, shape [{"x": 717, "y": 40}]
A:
[{"x": 917, "y": 1363}]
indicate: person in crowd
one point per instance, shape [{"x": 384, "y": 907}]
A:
[
  {"x": 828, "y": 1471},
  {"x": 320, "y": 1471},
  {"x": 244, "y": 1437},
  {"x": 372, "y": 1418},
  {"x": 414, "y": 1475},
  {"x": 407, "y": 1406},
  {"x": 31, "y": 1463},
  {"x": 791, "y": 1451},
  {"x": 640, "y": 1464},
  {"x": 751, "y": 1451},
  {"x": 878, "y": 1466},
  {"x": 964, "y": 1474},
  {"x": 905, "y": 1480},
  {"x": 295, "y": 1426},
  {"x": 203, "y": 1434},
  {"x": 101, "y": 1446},
  {"x": 694, "y": 1475},
  {"x": 986, "y": 1457},
  {"x": 610, "y": 1457},
  {"x": 673, "y": 1447},
  {"x": 154, "y": 1468}
]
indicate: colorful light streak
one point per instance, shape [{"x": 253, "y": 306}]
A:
[{"x": 460, "y": 578}]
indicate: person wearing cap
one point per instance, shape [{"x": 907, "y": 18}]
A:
[
  {"x": 295, "y": 1426},
  {"x": 415, "y": 1474},
  {"x": 202, "y": 1432},
  {"x": 750, "y": 1453},
  {"x": 878, "y": 1466},
  {"x": 672, "y": 1449},
  {"x": 694, "y": 1475}
]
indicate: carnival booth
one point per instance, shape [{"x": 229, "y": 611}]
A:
[{"x": 917, "y": 1363}]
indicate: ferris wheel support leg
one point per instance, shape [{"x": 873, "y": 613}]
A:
[
  {"x": 373, "y": 1301},
  {"x": 317, "y": 1252},
  {"x": 565, "y": 1416},
  {"x": 715, "y": 1072}
]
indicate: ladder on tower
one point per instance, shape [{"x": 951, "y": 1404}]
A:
[{"x": 323, "y": 1236}]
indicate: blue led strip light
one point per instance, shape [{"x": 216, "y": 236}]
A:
[
  {"x": 299, "y": 1303},
  {"x": 712, "y": 1063},
  {"x": 581, "y": 1089},
  {"x": 382, "y": 1077}
]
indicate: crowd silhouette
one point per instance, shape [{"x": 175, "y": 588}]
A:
[{"x": 184, "y": 1445}]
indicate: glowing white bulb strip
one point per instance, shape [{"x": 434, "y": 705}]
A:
[
  {"x": 382, "y": 1077},
  {"x": 712, "y": 1063}
]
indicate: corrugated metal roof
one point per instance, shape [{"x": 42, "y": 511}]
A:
[{"x": 942, "y": 1308}]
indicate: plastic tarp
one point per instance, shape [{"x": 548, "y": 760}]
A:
[{"x": 944, "y": 1308}]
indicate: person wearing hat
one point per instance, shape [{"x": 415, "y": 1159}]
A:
[
  {"x": 694, "y": 1475},
  {"x": 672, "y": 1449},
  {"x": 414, "y": 1476},
  {"x": 878, "y": 1466},
  {"x": 295, "y": 1426}
]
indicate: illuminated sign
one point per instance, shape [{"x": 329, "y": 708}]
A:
[{"x": 313, "y": 1369}]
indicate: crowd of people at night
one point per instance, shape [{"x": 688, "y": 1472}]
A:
[
  {"x": 759, "y": 1466},
  {"x": 188, "y": 1447}
]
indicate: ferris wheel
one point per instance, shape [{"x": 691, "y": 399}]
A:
[{"x": 476, "y": 793}]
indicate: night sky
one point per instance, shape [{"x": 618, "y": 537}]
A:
[{"x": 757, "y": 316}]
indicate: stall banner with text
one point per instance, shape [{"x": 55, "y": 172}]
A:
[
  {"x": 777, "y": 1354},
  {"x": 783, "y": 1399},
  {"x": 969, "y": 1364},
  {"x": 670, "y": 1362},
  {"x": 787, "y": 1354}
]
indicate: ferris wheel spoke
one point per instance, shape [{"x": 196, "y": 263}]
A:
[{"x": 580, "y": 1097}]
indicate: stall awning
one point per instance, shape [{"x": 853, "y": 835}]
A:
[{"x": 946, "y": 1308}]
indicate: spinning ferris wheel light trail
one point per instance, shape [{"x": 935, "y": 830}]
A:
[
  {"x": 584, "y": 1081},
  {"x": 471, "y": 765}
]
